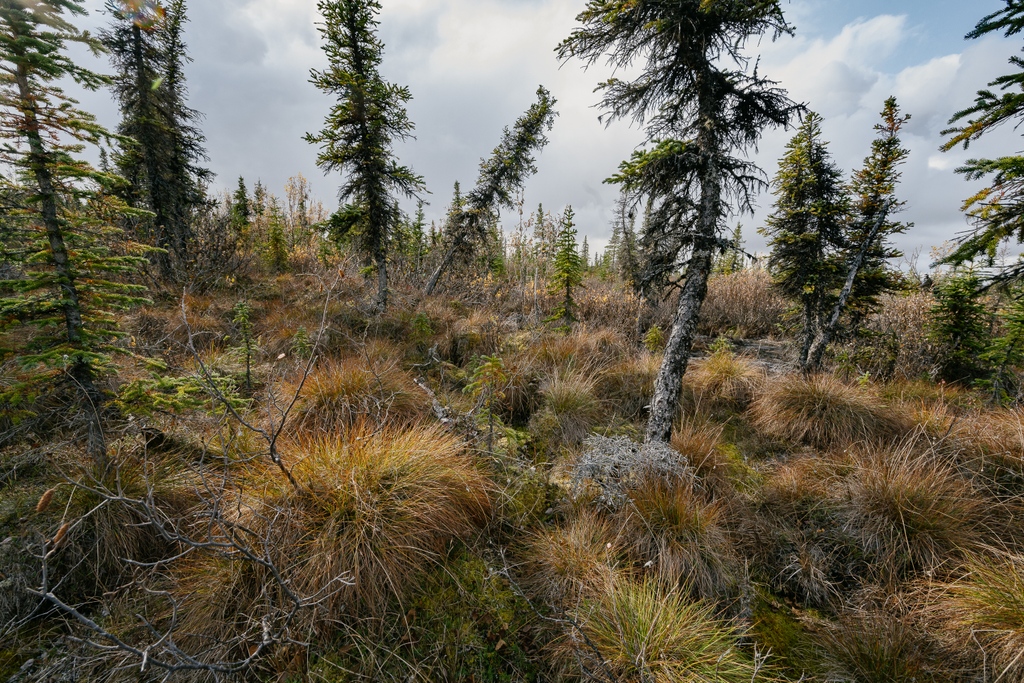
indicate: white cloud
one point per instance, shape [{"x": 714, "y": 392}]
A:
[{"x": 473, "y": 67}]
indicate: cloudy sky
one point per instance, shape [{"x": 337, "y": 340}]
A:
[{"x": 474, "y": 65}]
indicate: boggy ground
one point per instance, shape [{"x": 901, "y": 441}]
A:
[{"x": 429, "y": 519}]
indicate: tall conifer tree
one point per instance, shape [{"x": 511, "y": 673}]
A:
[
  {"x": 807, "y": 229},
  {"x": 70, "y": 282},
  {"x": 165, "y": 148},
  {"x": 703, "y": 111},
  {"x": 567, "y": 273},
  {"x": 873, "y": 195},
  {"x": 360, "y": 132}
]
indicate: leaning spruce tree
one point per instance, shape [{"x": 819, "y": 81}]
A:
[
  {"x": 703, "y": 110},
  {"x": 806, "y": 230},
  {"x": 360, "y": 133},
  {"x": 69, "y": 283},
  {"x": 501, "y": 176}
]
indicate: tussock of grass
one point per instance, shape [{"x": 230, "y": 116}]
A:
[
  {"x": 629, "y": 385},
  {"x": 571, "y": 411},
  {"x": 824, "y": 412},
  {"x": 911, "y": 511},
  {"x": 643, "y": 633},
  {"x": 987, "y": 608},
  {"x": 341, "y": 393},
  {"x": 724, "y": 380},
  {"x": 373, "y": 507},
  {"x": 683, "y": 534},
  {"x": 576, "y": 560},
  {"x": 878, "y": 647}
]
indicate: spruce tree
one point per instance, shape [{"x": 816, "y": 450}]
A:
[
  {"x": 360, "y": 132},
  {"x": 568, "y": 270},
  {"x": 241, "y": 213},
  {"x": 959, "y": 328},
  {"x": 702, "y": 110},
  {"x": 163, "y": 146},
  {"x": 501, "y": 177},
  {"x": 277, "y": 243},
  {"x": 71, "y": 283},
  {"x": 873, "y": 192},
  {"x": 997, "y": 211},
  {"x": 806, "y": 231}
]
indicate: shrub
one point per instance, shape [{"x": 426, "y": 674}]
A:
[
  {"x": 576, "y": 560},
  {"x": 682, "y": 533},
  {"x": 822, "y": 411},
  {"x": 341, "y": 393},
  {"x": 744, "y": 304},
  {"x": 571, "y": 411},
  {"x": 894, "y": 343},
  {"x": 910, "y": 511},
  {"x": 644, "y": 633},
  {"x": 373, "y": 507}
]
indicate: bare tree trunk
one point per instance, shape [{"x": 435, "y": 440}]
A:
[
  {"x": 380, "y": 258},
  {"x": 812, "y": 360},
  {"x": 71, "y": 306},
  {"x": 668, "y": 386},
  {"x": 445, "y": 264}
]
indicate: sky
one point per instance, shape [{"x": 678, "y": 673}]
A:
[{"x": 473, "y": 67}]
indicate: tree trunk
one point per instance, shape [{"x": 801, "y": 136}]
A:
[
  {"x": 445, "y": 264},
  {"x": 381, "y": 260},
  {"x": 668, "y": 386},
  {"x": 812, "y": 360},
  {"x": 809, "y": 331},
  {"x": 71, "y": 307}
]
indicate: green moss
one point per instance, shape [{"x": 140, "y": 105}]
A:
[
  {"x": 465, "y": 623},
  {"x": 778, "y": 629}
]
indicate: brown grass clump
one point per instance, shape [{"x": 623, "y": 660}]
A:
[
  {"x": 682, "y": 533},
  {"x": 341, "y": 393},
  {"x": 870, "y": 646},
  {"x": 573, "y": 561},
  {"x": 911, "y": 511},
  {"x": 824, "y": 412},
  {"x": 373, "y": 508},
  {"x": 629, "y": 384},
  {"x": 571, "y": 411},
  {"x": 987, "y": 609},
  {"x": 743, "y": 304},
  {"x": 723, "y": 380},
  {"x": 646, "y": 633}
]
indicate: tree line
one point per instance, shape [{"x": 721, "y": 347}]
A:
[{"x": 82, "y": 242}]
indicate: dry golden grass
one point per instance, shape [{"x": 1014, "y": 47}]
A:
[
  {"x": 576, "y": 560},
  {"x": 723, "y": 380},
  {"x": 824, "y": 412},
  {"x": 478, "y": 334},
  {"x": 744, "y": 304},
  {"x": 628, "y": 385},
  {"x": 341, "y": 393},
  {"x": 581, "y": 348},
  {"x": 911, "y": 511},
  {"x": 571, "y": 411},
  {"x": 986, "y": 610},
  {"x": 373, "y": 508},
  {"x": 646, "y": 633},
  {"x": 681, "y": 533},
  {"x": 870, "y": 646}
]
